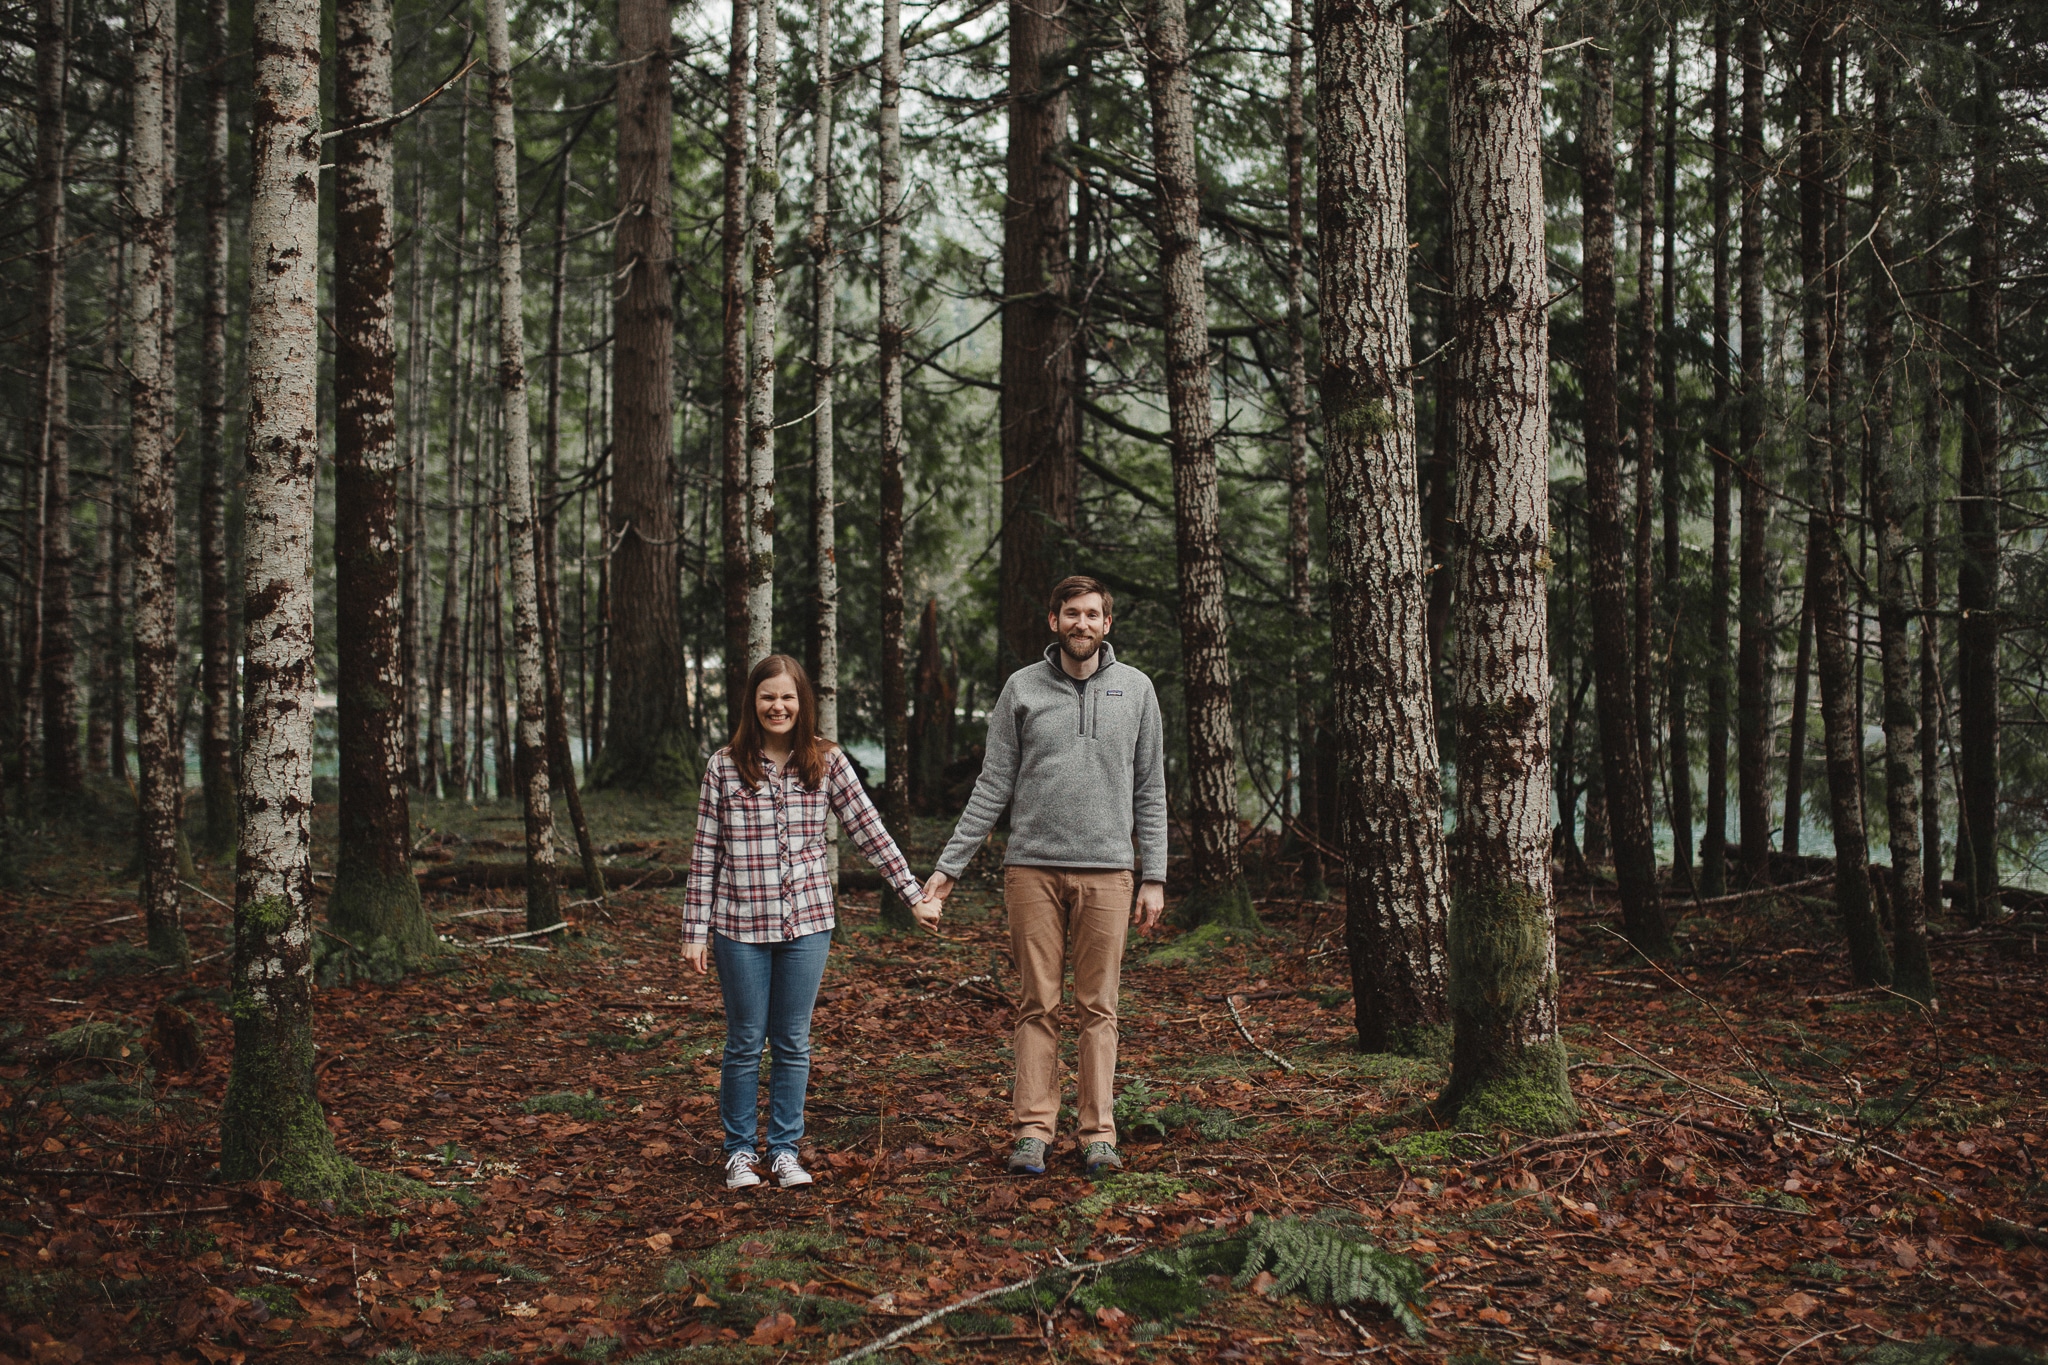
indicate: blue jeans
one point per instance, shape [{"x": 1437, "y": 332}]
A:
[{"x": 769, "y": 990}]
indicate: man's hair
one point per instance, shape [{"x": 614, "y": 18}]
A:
[{"x": 1080, "y": 585}]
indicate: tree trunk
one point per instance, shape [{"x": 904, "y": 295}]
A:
[
  {"x": 766, "y": 185},
  {"x": 889, "y": 347},
  {"x": 451, "y": 760},
  {"x": 824, "y": 319},
  {"x": 107, "y": 644},
  {"x": 1507, "y": 1061},
  {"x": 1642, "y": 574},
  {"x": 530, "y": 663},
  {"x": 1933, "y": 701},
  {"x": 375, "y": 903},
  {"x": 1218, "y": 895},
  {"x": 1299, "y": 544},
  {"x": 1895, "y": 489},
  {"x": 733, "y": 382},
  {"x": 1626, "y": 785},
  {"x": 1714, "y": 852},
  {"x": 271, "y": 1123},
  {"x": 1397, "y": 885},
  {"x": 931, "y": 731},
  {"x": 1795, "y": 739},
  {"x": 1842, "y": 736},
  {"x": 1038, "y": 410},
  {"x": 216, "y": 639},
  {"x": 155, "y": 637},
  {"x": 548, "y": 553},
  {"x": 1978, "y": 488},
  {"x": 1678, "y": 744},
  {"x": 648, "y": 746},
  {"x": 62, "y": 775},
  {"x": 413, "y": 605},
  {"x": 1753, "y": 642}
]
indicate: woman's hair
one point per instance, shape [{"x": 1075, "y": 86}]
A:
[{"x": 807, "y": 748}]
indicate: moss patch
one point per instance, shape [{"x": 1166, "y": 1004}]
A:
[
  {"x": 585, "y": 1105},
  {"x": 756, "y": 1276},
  {"x": 1227, "y": 906},
  {"x": 1524, "y": 1091},
  {"x": 1196, "y": 946}
]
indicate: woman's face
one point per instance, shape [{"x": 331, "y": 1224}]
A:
[{"x": 775, "y": 705}]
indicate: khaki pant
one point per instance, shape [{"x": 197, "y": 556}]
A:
[{"x": 1059, "y": 915}]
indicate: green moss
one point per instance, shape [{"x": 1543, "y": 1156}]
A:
[
  {"x": 381, "y": 915},
  {"x": 663, "y": 766},
  {"x": 1523, "y": 1090},
  {"x": 1498, "y": 940},
  {"x": 1132, "y": 1187},
  {"x": 737, "y": 1273},
  {"x": 108, "y": 1097},
  {"x": 271, "y": 1127},
  {"x": 1229, "y": 906},
  {"x": 121, "y": 959},
  {"x": 1434, "y": 1147},
  {"x": 268, "y": 915},
  {"x": 1197, "y": 945},
  {"x": 98, "y": 1038},
  {"x": 1363, "y": 419},
  {"x": 586, "y": 1106},
  {"x": 168, "y": 944}
]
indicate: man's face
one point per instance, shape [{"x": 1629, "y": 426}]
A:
[{"x": 1080, "y": 623}]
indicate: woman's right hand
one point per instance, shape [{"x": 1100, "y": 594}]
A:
[
  {"x": 698, "y": 955},
  {"x": 926, "y": 912}
]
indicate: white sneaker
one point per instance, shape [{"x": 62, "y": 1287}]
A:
[
  {"x": 742, "y": 1170},
  {"x": 789, "y": 1172}
]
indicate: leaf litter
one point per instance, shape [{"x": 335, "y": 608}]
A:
[{"x": 1768, "y": 1168}]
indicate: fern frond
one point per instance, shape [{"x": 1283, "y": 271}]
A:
[{"x": 1333, "y": 1264}]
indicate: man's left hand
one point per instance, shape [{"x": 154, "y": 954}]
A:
[{"x": 1151, "y": 905}]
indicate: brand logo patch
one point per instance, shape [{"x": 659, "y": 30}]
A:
[{"x": 1114, "y": 692}]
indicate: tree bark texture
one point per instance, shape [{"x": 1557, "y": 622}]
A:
[
  {"x": 63, "y": 775},
  {"x": 271, "y": 1123},
  {"x": 1677, "y": 675},
  {"x": 1714, "y": 851},
  {"x": 1753, "y": 642},
  {"x": 216, "y": 641},
  {"x": 824, "y": 493},
  {"x": 1299, "y": 543},
  {"x": 1218, "y": 894},
  {"x": 1979, "y": 488},
  {"x": 1642, "y": 577},
  {"x": 889, "y": 351},
  {"x": 154, "y": 495},
  {"x": 1627, "y": 789},
  {"x": 766, "y": 187},
  {"x": 1795, "y": 736},
  {"x": 1933, "y": 700},
  {"x": 448, "y": 763},
  {"x": 1869, "y": 961},
  {"x": 733, "y": 371},
  {"x": 530, "y": 761},
  {"x": 1038, "y": 410},
  {"x": 1507, "y": 1062},
  {"x": 1391, "y": 807},
  {"x": 648, "y": 744},
  {"x": 375, "y": 903},
  {"x": 1896, "y": 488}
]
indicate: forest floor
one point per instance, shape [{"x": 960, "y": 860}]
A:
[{"x": 1770, "y": 1168}]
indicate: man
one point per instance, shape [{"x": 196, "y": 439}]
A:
[{"x": 1075, "y": 754}]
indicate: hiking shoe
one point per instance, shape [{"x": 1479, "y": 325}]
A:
[
  {"x": 742, "y": 1170},
  {"x": 1029, "y": 1158},
  {"x": 1099, "y": 1157},
  {"x": 789, "y": 1172}
]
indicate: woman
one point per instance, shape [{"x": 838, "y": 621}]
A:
[{"x": 758, "y": 891}]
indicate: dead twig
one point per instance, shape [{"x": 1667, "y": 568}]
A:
[{"x": 1270, "y": 1055}]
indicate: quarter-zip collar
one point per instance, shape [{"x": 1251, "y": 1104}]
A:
[
  {"x": 1084, "y": 692},
  {"x": 1052, "y": 661}
]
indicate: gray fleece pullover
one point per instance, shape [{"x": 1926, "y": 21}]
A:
[{"x": 1079, "y": 767}]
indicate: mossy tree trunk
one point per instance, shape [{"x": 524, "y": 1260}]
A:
[
  {"x": 1219, "y": 895},
  {"x": 1508, "y": 1064},
  {"x": 1753, "y": 643},
  {"x": 271, "y": 1123},
  {"x": 375, "y": 904},
  {"x": 1391, "y": 802}
]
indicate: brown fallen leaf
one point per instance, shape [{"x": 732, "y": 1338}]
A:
[{"x": 773, "y": 1330}]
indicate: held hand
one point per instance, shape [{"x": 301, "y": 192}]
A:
[
  {"x": 697, "y": 956},
  {"x": 1151, "y": 905},
  {"x": 937, "y": 887},
  {"x": 926, "y": 912}
]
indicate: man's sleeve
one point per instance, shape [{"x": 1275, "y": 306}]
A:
[
  {"x": 992, "y": 790},
  {"x": 1148, "y": 791}
]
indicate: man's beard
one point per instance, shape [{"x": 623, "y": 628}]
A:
[{"x": 1080, "y": 657}]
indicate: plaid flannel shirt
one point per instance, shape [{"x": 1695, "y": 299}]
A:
[{"x": 757, "y": 867}]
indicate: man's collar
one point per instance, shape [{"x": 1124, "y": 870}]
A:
[{"x": 1105, "y": 650}]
